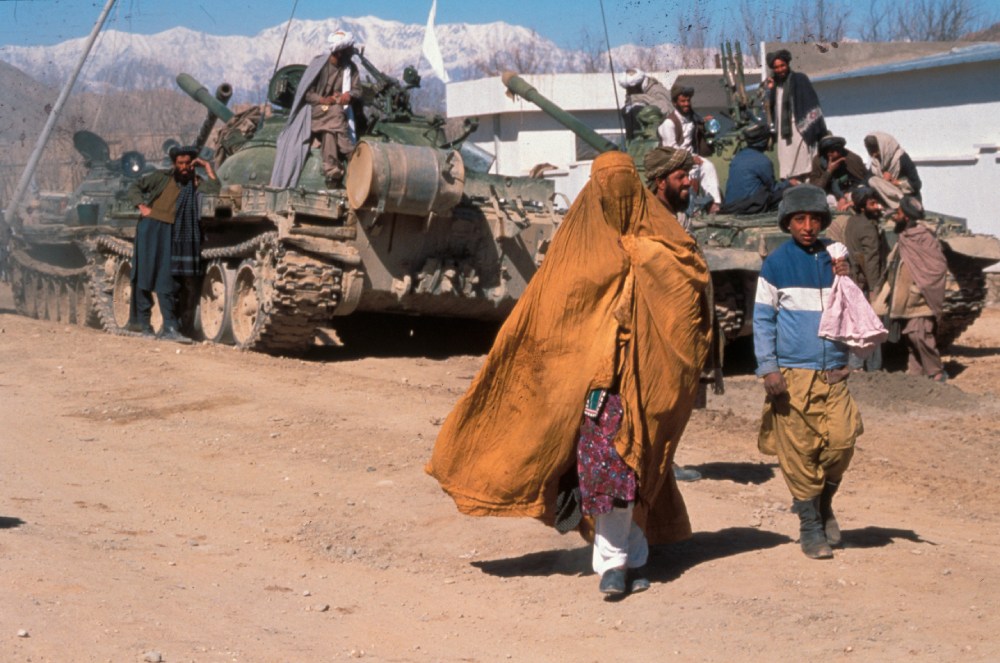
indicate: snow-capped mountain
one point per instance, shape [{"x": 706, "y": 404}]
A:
[{"x": 125, "y": 61}]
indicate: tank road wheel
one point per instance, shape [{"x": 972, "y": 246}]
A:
[
  {"x": 82, "y": 304},
  {"x": 216, "y": 302},
  {"x": 245, "y": 311},
  {"x": 121, "y": 294},
  {"x": 36, "y": 295}
]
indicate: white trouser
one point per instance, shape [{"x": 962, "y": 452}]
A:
[
  {"x": 705, "y": 173},
  {"x": 618, "y": 541}
]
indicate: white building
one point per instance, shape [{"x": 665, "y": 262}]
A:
[
  {"x": 940, "y": 101},
  {"x": 943, "y": 110},
  {"x": 521, "y": 136}
]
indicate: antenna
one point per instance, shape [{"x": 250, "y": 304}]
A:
[
  {"x": 611, "y": 65},
  {"x": 288, "y": 26}
]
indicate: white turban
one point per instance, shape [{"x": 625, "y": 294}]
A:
[
  {"x": 632, "y": 77},
  {"x": 339, "y": 40}
]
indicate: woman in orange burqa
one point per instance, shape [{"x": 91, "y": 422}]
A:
[{"x": 590, "y": 383}]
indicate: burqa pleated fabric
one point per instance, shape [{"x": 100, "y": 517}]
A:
[{"x": 620, "y": 303}]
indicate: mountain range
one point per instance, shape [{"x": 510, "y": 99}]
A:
[{"x": 124, "y": 61}]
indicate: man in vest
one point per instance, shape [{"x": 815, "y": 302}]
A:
[{"x": 685, "y": 129}]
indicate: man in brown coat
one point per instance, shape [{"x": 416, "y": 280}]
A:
[{"x": 918, "y": 289}]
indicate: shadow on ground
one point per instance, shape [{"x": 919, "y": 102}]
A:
[
  {"x": 10, "y": 523},
  {"x": 373, "y": 335},
  {"x": 743, "y": 473},
  {"x": 879, "y": 537},
  {"x": 666, "y": 562}
]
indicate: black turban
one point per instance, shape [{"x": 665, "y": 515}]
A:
[{"x": 781, "y": 54}]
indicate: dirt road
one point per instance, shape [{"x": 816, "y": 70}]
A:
[{"x": 162, "y": 502}]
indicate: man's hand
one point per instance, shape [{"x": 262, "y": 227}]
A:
[
  {"x": 841, "y": 267},
  {"x": 887, "y": 176},
  {"x": 206, "y": 165},
  {"x": 843, "y": 204},
  {"x": 835, "y": 164},
  {"x": 774, "y": 384}
]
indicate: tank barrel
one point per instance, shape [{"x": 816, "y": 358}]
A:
[
  {"x": 223, "y": 94},
  {"x": 198, "y": 92},
  {"x": 521, "y": 88}
]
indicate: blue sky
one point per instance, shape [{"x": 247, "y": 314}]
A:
[{"x": 31, "y": 22}]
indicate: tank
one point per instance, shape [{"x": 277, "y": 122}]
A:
[
  {"x": 420, "y": 227},
  {"x": 735, "y": 245}
]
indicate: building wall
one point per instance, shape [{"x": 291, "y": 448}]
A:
[{"x": 944, "y": 118}]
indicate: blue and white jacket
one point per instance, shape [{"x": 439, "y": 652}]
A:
[{"x": 794, "y": 284}]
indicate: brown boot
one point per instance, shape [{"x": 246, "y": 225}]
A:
[{"x": 811, "y": 535}]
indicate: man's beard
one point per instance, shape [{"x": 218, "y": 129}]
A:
[{"x": 678, "y": 200}]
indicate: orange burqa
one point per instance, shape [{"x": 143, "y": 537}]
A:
[{"x": 620, "y": 299}]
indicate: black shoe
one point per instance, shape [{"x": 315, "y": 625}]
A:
[
  {"x": 171, "y": 334},
  {"x": 613, "y": 582},
  {"x": 638, "y": 582},
  {"x": 830, "y": 526},
  {"x": 686, "y": 474}
]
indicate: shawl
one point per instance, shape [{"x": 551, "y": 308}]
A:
[
  {"x": 619, "y": 302},
  {"x": 294, "y": 140},
  {"x": 801, "y": 103},
  {"x": 185, "y": 234},
  {"x": 847, "y": 316},
  {"x": 921, "y": 251},
  {"x": 889, "y": 155}
]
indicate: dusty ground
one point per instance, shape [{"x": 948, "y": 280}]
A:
[{"x": 203, "y": 504}]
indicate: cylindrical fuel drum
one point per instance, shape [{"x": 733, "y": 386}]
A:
[{"x": 405, "y": 179}]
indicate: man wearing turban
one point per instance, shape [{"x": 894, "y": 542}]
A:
[
  {"x": 794, "y": 108},
  {"x": 322, "y": 109}
]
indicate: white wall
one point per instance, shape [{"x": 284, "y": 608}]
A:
[{"x": 944, "y": 117}]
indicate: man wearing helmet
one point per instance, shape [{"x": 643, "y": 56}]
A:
[{"x": 810, "y": 421}]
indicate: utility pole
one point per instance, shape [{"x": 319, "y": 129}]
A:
[{"x": 29, "y": 170}]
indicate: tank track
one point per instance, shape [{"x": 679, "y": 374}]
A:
[
  {"x": 48, "y": 292},
  {"x": 297, "y": 293},
  {"x": 965, "y": 295},
  {"x": 105, "y": 254}
]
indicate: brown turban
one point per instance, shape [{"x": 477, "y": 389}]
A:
[{"x": 664, "y": 160}]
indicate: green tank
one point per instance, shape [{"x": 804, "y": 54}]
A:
[
  {"x": 735, "y": 245},
  {"x": 420, "y": 227}
]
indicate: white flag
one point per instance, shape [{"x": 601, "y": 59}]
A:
[{"x": 431, "y": 49}]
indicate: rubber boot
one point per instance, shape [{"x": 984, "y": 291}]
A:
[
  {"x": 811, "y": 535},
  {"x": 830, "y": 526}
]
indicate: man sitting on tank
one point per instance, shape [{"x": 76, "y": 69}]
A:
[
  {"x": 641, "y": 91},
  {"x": 837, "y": 170},
  {"x": 751, "y": 187},
  {"x": 327, "y": 88},
  {"x": 685, "y": 129}
]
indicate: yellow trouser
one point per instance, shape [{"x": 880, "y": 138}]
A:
[{"x": 811, "y": 430}]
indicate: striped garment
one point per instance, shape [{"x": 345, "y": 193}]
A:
[
  {"x": 792, "y": 290},
  {"x": 185, "y": 246}
]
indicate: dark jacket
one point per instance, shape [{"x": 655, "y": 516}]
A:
[
  {"x": 148, "y": 187},
  {"x": 850, "y": 174}
]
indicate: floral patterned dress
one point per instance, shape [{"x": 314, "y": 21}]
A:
[{"x": 605, "y": 480}]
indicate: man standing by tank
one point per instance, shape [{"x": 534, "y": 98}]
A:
[
  {"x": 322, "y": 109},
  {"x": 810, "y": 421},
  {"x": 864, "y": 238},
  {"x": 167, "y": 245},
  {"x": 793, "y": 107},
  {"x": 917, "y": 300},
  {"x": 685, "y": 129}
]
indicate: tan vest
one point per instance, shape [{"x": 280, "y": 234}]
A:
[{"x": 164, "y": 208}]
